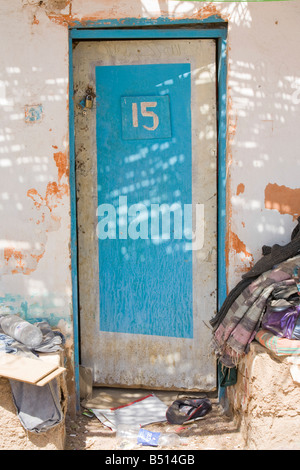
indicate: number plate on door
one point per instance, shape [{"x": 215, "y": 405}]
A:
[{"x": 145, "y": 117}]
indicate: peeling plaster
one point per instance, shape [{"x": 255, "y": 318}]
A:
[
  {"x": 283, "y": 199},
  {"x": 61, "y": 161},
  {"x": 235, "y": 245},
  {"x": 239, "y": 247},
  {"x": 60, "y": 12},
  {"x": 45, "y": 220},
  {"x": 240, "y": 189}
]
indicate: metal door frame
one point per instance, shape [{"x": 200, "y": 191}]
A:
[{"x": 212, "y": 27}]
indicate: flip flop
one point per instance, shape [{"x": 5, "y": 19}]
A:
[{"x": 187, "y": 409}]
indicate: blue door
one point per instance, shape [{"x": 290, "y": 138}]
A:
[
  {"x": 144, "y": 167},
  {"x": 146, "y": 187}
]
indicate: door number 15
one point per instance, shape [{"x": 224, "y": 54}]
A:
[
  {"x": 144, "y": 105},
  {"x": 145, "y": 117}
]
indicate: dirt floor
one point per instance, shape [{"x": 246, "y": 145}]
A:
[{"x": 215, "y": 431}]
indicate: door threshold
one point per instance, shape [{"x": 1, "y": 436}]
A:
[{"x": 105, "y": 397}]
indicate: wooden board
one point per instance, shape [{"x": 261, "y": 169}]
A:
[
  {"x": 24, "y": 369},
  {"x": 50, "y": 376}
]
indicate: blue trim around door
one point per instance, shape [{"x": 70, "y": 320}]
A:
[{"x": 142, "y": 28}]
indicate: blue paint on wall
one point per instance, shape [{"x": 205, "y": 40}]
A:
[
  {"x": 136, "y": 22},
  {"x": 145, "y": 283},
  {"x": 33, "y": 113},
  {"x": 34, "y": 309}
]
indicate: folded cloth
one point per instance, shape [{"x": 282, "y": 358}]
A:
[
  {"x": 276, "y": 254},
  {"x": 287, "y": 296},
  {"x": 226, "y": 376},
  {"x": 52, "y": 339},
  {"x": 231, "y": 297},
  {"x": 279, "y": 346},
  {"x": 281, "y": 322},
  {"x": 6, "y": 344},
  {"x": 38, "y": 408},
  {"x": 272, "y": 256},
  {"x": 232, "y": 337}
]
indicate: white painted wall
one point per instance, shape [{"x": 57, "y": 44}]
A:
[
  {"x": 264, "y": 115},
  {"x": 263, "y": 143},
  {"x": 34, "y": 238}
]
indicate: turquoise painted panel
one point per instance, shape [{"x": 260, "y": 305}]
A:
[
  {"x": 145, "y": 268},
  {"x": 147, "y": 33}
]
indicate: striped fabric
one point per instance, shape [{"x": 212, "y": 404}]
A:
[
  {"x": 233, "y": 336},
  {"x": 279, "y": 346}
]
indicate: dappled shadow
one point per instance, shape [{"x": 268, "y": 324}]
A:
[
  {"x": 263, "y": 107},
  {"x": 262, "y": 154},
  {"x": 215, "y": 431}
]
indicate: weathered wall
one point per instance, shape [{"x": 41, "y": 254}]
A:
[
  {"x": 263, "y": 138},
  {"x": 264, "y": 113},
  {"x": 265, "y": 401},
  {"x": 34, "y": 196}
]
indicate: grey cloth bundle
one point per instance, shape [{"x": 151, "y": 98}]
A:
[
  {"x": 272, "y": 256},
  {"x": 38, "y": 408}
]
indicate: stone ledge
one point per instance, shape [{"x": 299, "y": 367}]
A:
[{"x": 266, "y": 401}]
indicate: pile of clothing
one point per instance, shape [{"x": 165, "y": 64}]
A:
[
  {"x": 52, "y": 341},
  {"x": 38, "y": 408},
  {"x": 266, "y": 299}
]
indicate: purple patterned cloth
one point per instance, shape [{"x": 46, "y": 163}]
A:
[
  {"x": 281, "y": 323},
  {"x": 236, "y": 331}
]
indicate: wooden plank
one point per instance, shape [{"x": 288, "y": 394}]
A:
[
  {"x": 50, "y": 376},
  {"x": 23, "y": 368}
]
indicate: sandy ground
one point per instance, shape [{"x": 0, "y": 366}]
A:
[{"x": 216, "y": 431}]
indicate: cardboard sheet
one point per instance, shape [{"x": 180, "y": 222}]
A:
[
  {"x": 146, "y": 410},
  {"x": 25, "y": 369}
]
